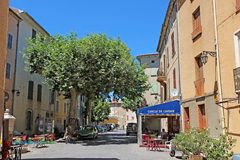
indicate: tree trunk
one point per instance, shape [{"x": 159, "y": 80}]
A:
[
  {"x": 89, "y": 115},
  {"x": 71, "y": 121}
]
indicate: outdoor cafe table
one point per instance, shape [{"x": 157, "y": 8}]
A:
[{"x": 154, "y": 143}]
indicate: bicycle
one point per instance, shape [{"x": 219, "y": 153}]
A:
[
  {"x": 69, "y": 139},
  {"x": 13, "y": 156}
]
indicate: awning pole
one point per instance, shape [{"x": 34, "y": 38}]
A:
[{"x": 139, "y": 129}]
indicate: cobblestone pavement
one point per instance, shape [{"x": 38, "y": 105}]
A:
[{"x": 114, "y": 145}]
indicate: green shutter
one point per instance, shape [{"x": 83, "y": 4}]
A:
[
  {"x": 154, "y": 88},
  {"x": 153, "y": 71}
]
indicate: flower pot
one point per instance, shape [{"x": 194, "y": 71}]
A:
[{"x": 195, "y": 157}]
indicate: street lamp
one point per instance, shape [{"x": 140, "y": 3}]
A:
[
  {"x": 17, "y": 92},
  {"x": 204, "y": 57}
]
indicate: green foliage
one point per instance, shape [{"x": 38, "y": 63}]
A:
[
  {"x": 195, "y": 142},
  {"x": 132, "y": 104},
  {"x": 91, "y": 66},
  {"x": 101, "y": 109},
  {"x": 220, "y": 148}
]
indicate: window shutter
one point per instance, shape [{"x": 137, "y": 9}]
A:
[
  {"x": 8, "y": 70},
  {"x": 65, "y": 107},
  {"x": 174, "y": 78},
  {"x": 33, "y": 33},
  {"x": 237, "y": 5},
  {"x": 154, "y": 88},
  {"x": 10, "y": 39},
  {"x": 30, "y": 90},
  {"x": 173, "y": 47},
  {"x": 57, "y": 106},
  {"x": 39, "y": 94},
  {"x": 153, "y": 71}
]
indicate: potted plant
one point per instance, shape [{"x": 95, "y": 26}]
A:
[
  {"x": 197, "y": 145},
  {"x": 192, "y": 143}
]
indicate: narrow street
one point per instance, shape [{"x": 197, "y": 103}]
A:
[{"x": 114, "y": 145}]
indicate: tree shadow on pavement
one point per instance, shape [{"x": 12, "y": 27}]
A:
[{"x": 109, "y": 139}]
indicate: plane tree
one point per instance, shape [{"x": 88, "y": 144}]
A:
[{"x": 94, "y": 65}]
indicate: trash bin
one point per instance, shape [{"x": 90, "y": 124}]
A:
[{"x": 236, "y": 156}]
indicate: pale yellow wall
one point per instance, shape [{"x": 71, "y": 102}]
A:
[
  {"x": 11, "y": 55},
  {"x": 3, "y": 51},
  {"x": 228, "y": 22}
]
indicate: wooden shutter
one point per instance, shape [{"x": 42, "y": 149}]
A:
[
  {"x": 39, "y": 93},
  {"x": 174, "y": 78},
  {"x": 237, "y": 5},
  {"x": 30, "y": 90}
]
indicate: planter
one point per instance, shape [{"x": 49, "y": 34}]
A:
[{"x": 195, "y": 157}]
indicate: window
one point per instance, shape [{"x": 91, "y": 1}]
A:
[
  {"x": 47, "y": 114},
  {"x": 154, "y": 88},
  {"x": 10, "y": 41},
  {"x": 51, "y": 97},
  {"x": 199, "y": 83},
  {"x": 59, "y": 120},
  {"x": 29, "y": 120},
  {"x": 186, "y": 118},
  {"x": 30, "y": 90},
  {"x": 174, "y": 78},
  {"x": 164, "y": 64},
  {"x": 237, "y": 5},
  {"x": 57, "y": 106},
  {"x": 202, "y": 117},
  {"x": 153, "y": 72},
  {"x": 39, "y": 93},
  {"x": 168, "y": 88},
  {"x": 33, "y": 33},
  {"x": 65, "y": 107},
  {"x": 8, "y": 70},
  {"x": 197, "y": 29},
  {"x": 173, "y": 46},
  {"x": 167, "y": 58}
]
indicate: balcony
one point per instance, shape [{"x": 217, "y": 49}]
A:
[
  {"x": 162, "y": 78},
  {"x": 199, "y": 86},
  {"x": 236, "y": 73}
]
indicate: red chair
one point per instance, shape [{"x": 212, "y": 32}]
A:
[
  {"x": 51, "y": 138},
  {"x": 145, "y": 139}
]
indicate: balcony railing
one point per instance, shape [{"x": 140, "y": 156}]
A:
[
  {"x": 199, "y": 86},
  {"x": 236, "y": 73}
]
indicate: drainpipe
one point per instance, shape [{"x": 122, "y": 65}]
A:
[
  {"x": 218, "y": 65},
  {"x": 14, "y": 79},
  {"x": 179, "y": 75}
]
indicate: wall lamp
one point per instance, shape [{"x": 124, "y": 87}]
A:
[
  {"x": 17, "y": 92},
  {"x": 204, "y": 56}
]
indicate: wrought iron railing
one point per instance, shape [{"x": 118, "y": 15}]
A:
[
  {"x": 199, "y": 86},
  {"x": 236, "y": 73}
]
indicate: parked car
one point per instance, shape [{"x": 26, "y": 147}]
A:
[
  {"x": 87, "y": 132},
  {"x": 105, "y": 128},
  {"x": 109, "y": 128},
  {"x": 112, "y": 125},
  {"x": 100, "y": 129},
  {"x": 131, "y": 128}
]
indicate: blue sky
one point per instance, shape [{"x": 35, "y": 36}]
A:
[{"x": 137, "y": 22}]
